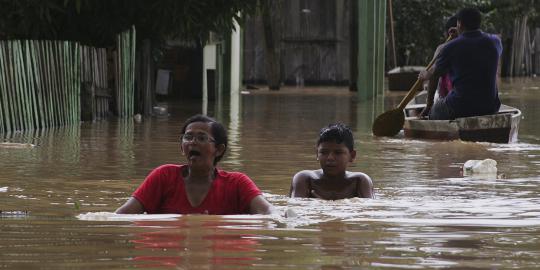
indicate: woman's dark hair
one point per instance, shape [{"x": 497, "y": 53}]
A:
[
  {"x": 451, "y": 22},
  {"x": 219, "y": 133},
  {"x": 470, "y": 18},
  {"x": 339, "y": 133}
]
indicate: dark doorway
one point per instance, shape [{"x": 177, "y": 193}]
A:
[{"x": 184, "y": 68}]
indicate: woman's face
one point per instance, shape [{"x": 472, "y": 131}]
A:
[
  {"x": 460, "y": 27},
  {"x": 334, "y": 157},
  {"x": 199, "y": 146}
]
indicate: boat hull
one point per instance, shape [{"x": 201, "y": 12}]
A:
[{"x": 496, "y": 128}]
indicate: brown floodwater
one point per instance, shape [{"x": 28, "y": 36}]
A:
[{"x": 58, "y": 188}]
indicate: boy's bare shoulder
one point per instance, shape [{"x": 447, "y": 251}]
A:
[
  {"x": 307, "y": 174},
  {"x": 360, "y": 176},
  {"x": 357, "y": 175},
  {"x": 365, "y": 184},
  {"x": 300, "y": 185}
]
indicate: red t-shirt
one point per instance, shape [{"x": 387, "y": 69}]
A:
[{"x": 163, "y": 192}]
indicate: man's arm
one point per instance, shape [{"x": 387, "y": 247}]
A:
[{"x": 431, "y": 89}]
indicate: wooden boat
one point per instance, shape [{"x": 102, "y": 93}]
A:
[
  {"x": 402, "y": 78},
  {"x": 501, "y": 127}
]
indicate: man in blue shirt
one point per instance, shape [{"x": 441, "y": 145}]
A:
[{"x": 472, "y": 61}]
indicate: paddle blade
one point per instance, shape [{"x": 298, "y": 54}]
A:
[{"x": 388, "y": 123}]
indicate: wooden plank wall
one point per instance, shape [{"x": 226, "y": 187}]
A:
[
  {"x": 95, "y": 79},
  {"x": 524, "y": 56},
  {"x": 315, "y": 43},
  {"x": 537, "y": 51}
]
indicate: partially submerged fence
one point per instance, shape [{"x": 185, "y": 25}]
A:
[
  {"x": 125, "y": 73},
  {"x": 524, "y": 54},
  {"x": 40, "y": 82}
]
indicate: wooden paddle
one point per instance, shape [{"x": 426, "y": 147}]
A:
[{"x": 391, "y": 122}]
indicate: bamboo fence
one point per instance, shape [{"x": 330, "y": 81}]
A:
[
  {"x": 39, "y": 84},
  {"x": 125, "y": 73}
]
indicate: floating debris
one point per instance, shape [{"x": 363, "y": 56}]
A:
[
  {"x": 13, "y": 213},
  {"x": 137, "y": 118},
  {"x": 486, "y": 166},
  {"x": 16, "y": 145}
]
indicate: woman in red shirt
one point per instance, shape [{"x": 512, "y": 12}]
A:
[
  {"x": 444, "y": 84},
  {"x": 198, "y": 187}
]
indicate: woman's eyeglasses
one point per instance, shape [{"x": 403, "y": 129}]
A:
[{"x": 199, "y": 138}]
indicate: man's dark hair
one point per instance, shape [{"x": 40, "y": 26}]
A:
[
  {"x": 339, "y": 133},
  {"x": 219, "y": 133},
  {"x": 470, "y": 18}
]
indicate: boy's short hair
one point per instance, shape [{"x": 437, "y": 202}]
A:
[
  {"x": 219, "y": 133},
  {"x": 339, "y": 133},
  {"x": 470, "y": 18}
]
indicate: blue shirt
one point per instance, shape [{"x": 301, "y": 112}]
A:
[{"x": 472, "y": 60}]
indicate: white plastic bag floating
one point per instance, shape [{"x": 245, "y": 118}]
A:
[{"x": 474, "y": 167}]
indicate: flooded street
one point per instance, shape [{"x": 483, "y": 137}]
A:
[{"x": 59, "y": 187}]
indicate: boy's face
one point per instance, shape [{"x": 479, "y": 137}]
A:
[{"x": 334, "y": 157}]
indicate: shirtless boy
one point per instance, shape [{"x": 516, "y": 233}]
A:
[{"x": 335, "y": 151}]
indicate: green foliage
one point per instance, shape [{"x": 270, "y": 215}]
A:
[
  {"x": 419, "y": 24},
  {"x": 499, "y": 16},
  {"x": 97, "y": 22}
]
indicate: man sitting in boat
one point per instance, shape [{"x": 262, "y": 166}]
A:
[
  {"x": 443, "y": 85},
  {"x": 472, "y": 61}
]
